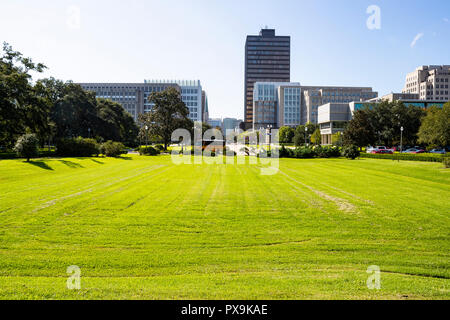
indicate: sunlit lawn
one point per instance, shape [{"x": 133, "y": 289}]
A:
[{"x": 144, "y": 228}]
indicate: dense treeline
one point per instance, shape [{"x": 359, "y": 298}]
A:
[
  {"x": 380, "y": 124},
  {"x": 54, "y": 110}
]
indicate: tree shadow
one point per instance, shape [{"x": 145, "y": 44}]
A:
[
  {"x": 96, "y": 161},
  {"x": 71, "y": 164},
  {"x": 40, "y": 164},
  {"x": 123, "y": 158}
]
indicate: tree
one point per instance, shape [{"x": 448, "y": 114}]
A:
[
  {"x": 359, "y": 130},
  {"x": 299, "y": 135},
  {"x": 351, "y": 152},
  {"x": 168, "y": 114},
  {"x": 337, "y": 139},
  {"x": 75, "y": 113},
  {"x": 316, "y": 137},
  {"x": 117, "y": 124},
  {"x": 27, "y": 146},
  {"x": 20, "y": 108},
  {"x": 435, "y": 128},
  {"x": 286, "y": 134}
]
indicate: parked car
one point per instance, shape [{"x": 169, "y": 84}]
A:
[
  {"x": 414, "y": 150},
  {"x": 438, "y": 151},
  {"x": 379, "y": 150}
]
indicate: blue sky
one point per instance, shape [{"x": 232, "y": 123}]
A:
[{"x": 129, "y": 41}]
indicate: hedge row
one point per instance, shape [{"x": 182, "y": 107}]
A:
[
  {"x": 310, "y": 152},
  {"x": 406, "y": 156},
  {"x": 13, "y": 155}
]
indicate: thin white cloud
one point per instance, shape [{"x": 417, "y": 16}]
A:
[
  {"x": 446, "y": 20},
  {"x": 416, "y": 38}
]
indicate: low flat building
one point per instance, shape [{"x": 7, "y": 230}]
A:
[
  {"x": 215, "y": 122},
  {"x": 332, "y": 118},
  {"x": 230, "y": 124},
  {"x": 132, "y": 96},
  {"x": 315, "y": 96}
]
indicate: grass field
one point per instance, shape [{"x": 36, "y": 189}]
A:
[{"x": 143, "y": 228}]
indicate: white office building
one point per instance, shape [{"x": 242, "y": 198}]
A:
[
  {"x": 429, "y": 83},
  {"x": 191, "y": 94},
  {"x": 276, "y": 104}
]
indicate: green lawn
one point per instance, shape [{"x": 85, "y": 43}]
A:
[{"x": 143, "y": 228}]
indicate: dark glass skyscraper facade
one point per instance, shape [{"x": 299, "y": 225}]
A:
[{"x": 267, "y": 59}]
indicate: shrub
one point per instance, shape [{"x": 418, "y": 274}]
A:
[
  {"x": 446, "y": 162},
  {"x": 113, "y": 149},
  {"x": 159, "y": 147},
  {"x": 326, "y": 151},
  {"x": 286, "y": 152},
  {"x": 148, "y": 151},
  {"x": 27, "y": 146},
  {"x": 351, "y": 152},
  {"x": 304, "y": 152},
  {"x": 406, "y": 156},
  {"x": 77, "y": 147}
]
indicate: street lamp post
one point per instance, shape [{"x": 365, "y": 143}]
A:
[
  {"x": 306, "y": 131},
  {"x": 401, "y": 139},
  {"x": 146, "y": 136}
]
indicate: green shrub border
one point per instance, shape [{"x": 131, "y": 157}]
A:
[{"x": 408, "y": 157}]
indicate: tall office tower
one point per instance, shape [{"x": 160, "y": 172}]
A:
[
  {"x": 276, "y": 104},
  {"x": 429, "y": 82},
  {"x": 132, "y": 96},
  {"x": 315, "y": 96},
  {"x": 267, "y": 59}
]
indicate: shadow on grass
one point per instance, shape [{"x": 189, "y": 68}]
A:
[
  {"x": 96, "y": 161},
  {"x": 40, "y": 164},
  {"x": 71, "y": 164},
  {"x": 124, "y": 158}
]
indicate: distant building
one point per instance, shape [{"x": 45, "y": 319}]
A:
[
  {"x": 396, "y": 96},
  {"x": 276, "y": 104},
  {"x": 315, "y": 96},
  {"x": 205, "y": 111},
  {"x": 429, "y": 82},
  {"x": 215, "y": 122},
  {"x": 332, "y": 117},
  {"x": 191, "y": 94},
  {"x": 267, "y": 59},
  {"x": 230, "y": 124},
  {"x": 132, "y": 96}
]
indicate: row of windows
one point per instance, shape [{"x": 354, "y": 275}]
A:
[
  {"x": 189, "y": 91},
  {"x": 269, "y": 57},
  {"x": 190, "y": 98},
  {"x": 271, "y": 43},
  {"x": 267, "y": 52},
  {"x": 251, "y": 71},
  {"x": 191, "y": 104},
  {"x": 264, "y": 47}
]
